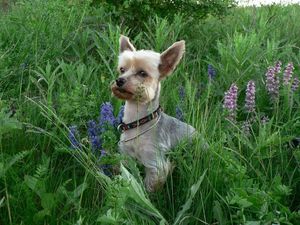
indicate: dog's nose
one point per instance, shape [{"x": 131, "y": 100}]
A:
[{"x": 120, "y": 82}]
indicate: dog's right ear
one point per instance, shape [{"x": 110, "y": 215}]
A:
[{"x": 125, "y": 44}]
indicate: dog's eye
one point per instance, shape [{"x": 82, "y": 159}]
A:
[
  {"x": 122, "y": 70},
  {"x": 142, "y": 73}
]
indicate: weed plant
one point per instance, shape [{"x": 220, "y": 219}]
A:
[{"x": 57, "y": 60}]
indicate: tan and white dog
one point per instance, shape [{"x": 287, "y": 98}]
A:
[{"x": 147, "y": 132}]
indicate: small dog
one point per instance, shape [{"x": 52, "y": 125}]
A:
[{"x": 147, "y": 132}]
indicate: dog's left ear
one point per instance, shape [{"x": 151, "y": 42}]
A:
[
  {"x": 125, "y": 44},
  {"x": 170, "y": 58}
]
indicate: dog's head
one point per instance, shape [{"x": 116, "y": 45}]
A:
[{"x": 141, "y": 71}]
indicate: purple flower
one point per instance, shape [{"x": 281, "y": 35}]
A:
[
  {"x": 24, "y": 66},
  {"x": 272, "y": 83},
  {"x": 277, "y": 67},
  {"x": 93, "y": 133},
  {"x": 179, "y": 113},
  {"x": 264, "y": 120},
  {"x": 211, "y": 72},
  {"x": 74, "y": 136},
  {"x": 230, "y": 101},
  {"x": 106, "y": 116},
  {"x": 200, "y": 89},
  {"x": 102, "y": 153},
  {"x": 105, "y": 168},
  {"x": 250, "y": 97},
  {"x": 120, "y": 115},
  {"x": 181, "y": 93},
  {"x": 246, "y": 128},
  {"x": 288, "y": 73},
  {"x": 295, "y": 84}
]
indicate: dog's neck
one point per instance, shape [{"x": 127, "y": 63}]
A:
[{"x": 134, "y": 111}]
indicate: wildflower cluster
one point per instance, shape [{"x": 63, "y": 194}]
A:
[
  {"x": 96, "y": 131},
  {"x": 273, "y": 81}
]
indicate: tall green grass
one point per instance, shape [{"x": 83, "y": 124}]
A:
[{"x": 57, "y": 60}]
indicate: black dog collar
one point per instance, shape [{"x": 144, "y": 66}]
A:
[{"x": 123, "y": 126}]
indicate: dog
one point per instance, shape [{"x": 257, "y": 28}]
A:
[{"x": 147, "y": 132}]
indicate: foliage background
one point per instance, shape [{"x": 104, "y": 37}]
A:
[{"x": 57, "y": 59}]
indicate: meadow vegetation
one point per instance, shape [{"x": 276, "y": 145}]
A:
[{"x": 59, "y": 161}]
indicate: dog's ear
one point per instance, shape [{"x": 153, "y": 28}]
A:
[
  {"x": 125, "y": 44},
  {"x": 170, "y": 58}
]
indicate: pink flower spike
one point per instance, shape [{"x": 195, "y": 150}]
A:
[
  {"x": 277, "y": 67},
  {"x": 230, "y": 101},
  {"x": 272, "y": 83},
  {"x": 288, "y": 73},
  {"x": 295, "y": 84},
  {"x": 250, "y": 97}
]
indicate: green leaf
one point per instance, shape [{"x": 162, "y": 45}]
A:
[
  {"x": 137, "y": 194},
  {"x": 14, "y": 159},
  {"x": 8, "y": 124},
  {"x": 41, "y": 215},
  {"x": 2, "y": 202},
  {"x": 38, "y": 186},
  {"x": 252, "y": 223},
  {"x": 109, "y": 218},
  {"x": 79, "y": 190},
  {"x": 2, "y": 171},
  {"x": 48, "y": 201},
  {"x": 242, "y": 202},
  {"x": 187, "y": 205},
  {"x": 218, "y": 213}
]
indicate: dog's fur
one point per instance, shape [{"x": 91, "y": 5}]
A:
[{"x": 141, "y": 71}]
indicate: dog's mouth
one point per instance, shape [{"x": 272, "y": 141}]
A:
[{"x": 121, "y": 93}]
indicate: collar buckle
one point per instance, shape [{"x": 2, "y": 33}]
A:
[{"x": 119, "y": 128}]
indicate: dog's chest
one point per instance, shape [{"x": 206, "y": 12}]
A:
[
  {"x": 144, "y": 144},
  {"x": 165, "y": 135}
]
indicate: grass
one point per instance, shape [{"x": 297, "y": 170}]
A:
[{"x": 57, "y": 60}]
